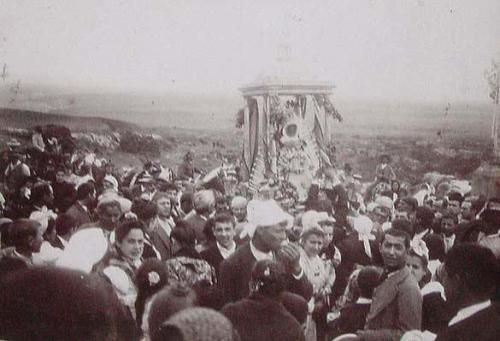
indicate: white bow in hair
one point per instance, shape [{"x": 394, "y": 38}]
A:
[
  {"x": 420, "y": 248},
  {"x": 363, "y": 225}
]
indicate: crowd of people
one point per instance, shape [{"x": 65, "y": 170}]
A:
[{"x": 89, "y": 252}]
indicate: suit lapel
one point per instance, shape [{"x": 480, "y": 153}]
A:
[{"x": 385, "y": 293}]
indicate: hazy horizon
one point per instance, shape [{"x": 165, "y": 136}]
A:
[{"x": 205, "y": 111}]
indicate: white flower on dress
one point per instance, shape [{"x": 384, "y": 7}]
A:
[{"x": 153, "y": 278}]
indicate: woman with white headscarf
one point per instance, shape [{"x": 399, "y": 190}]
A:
[{"x": 360, "y": 248}]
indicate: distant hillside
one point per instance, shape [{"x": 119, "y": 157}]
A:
[
  {"x": 25, "y": 119},
  {"x": 185, "y": 110}
]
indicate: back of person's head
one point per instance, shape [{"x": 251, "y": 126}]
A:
[
  {"x": 368, "y": 279},
  {"x": 197, "y": 324},
  {"x": 22, "y": 231},
  {"x": 403, "y": 225},
  {"x": 40, "y": 190},
  {"x": 186, "y": 201},
  {"x": 295, "y": 305},
  {"x": 65, "y": 223},
  {"x": 268, "y": 278},
  {"x": 435, "y": 245},
  {"x": 183, "y": 233},
  {"x": 144, "y": 209},
  {"x": 47, "y": 303},
  {"x": 474, "y": 266},
  {"x": 425, "y": 216},
  {"x": 166, "y": 303},
  {"x": 203, "y": 201},
  {"x": 84, "y": 190}
]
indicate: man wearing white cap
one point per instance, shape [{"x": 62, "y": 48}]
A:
[{"x": 268, "y": 241}]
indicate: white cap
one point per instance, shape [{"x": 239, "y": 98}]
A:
[{"x": 266, "y": 213}]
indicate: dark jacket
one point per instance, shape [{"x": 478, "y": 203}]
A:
[
  {"x": 197, "y": 223},
  {"x": 64, "y": 196},
  {"x": 161, "y": 241},
  {"x": 213, "y": 257},
  {"x": 259, "y": 318},
  {"x": 484, "y": 326},
  {"x": 352, "y": 318},
  {"x": 435, "y": 314},
  {"x": 235, "y": 273},
  {"x": 79, "y": 214}
]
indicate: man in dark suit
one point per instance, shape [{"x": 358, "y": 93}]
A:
[
  {"x": 440, "y": 244},
  {"x": 65, "y": 227},
  {"x": 270, "y": 223},
  {"x": 470, "y": 275},
  {"x": 204, "y": 205},
  {"x": 224, "y": 247},
  {"x": 64, "y": 193},
  {"x": 80, "y": 211},
  {"x": 397, "y": 301}
]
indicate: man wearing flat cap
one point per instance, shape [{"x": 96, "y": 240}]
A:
[{"x": 268, "y": 241}]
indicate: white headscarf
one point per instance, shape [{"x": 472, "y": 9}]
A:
[
  {"x": 85, "y": 248},
  {"x": 363, "y": 225},
  {"x": 265, "y": 213}
]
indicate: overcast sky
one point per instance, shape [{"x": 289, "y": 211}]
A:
[{"x": 391, "y": 49}]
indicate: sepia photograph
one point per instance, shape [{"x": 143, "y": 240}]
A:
[{"x": 236, "y": 170}]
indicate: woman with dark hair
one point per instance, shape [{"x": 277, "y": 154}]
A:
[
  {"x": 435, "y": 316},
  {"x": 261, "y": 315},
  {"x": 183, "y": 239},
  {"x": 120, "y": 264},
  {"x": 395, "y": 189},
  {"x": 186, "y": 266}
]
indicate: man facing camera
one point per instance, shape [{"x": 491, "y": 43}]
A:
[
  {"x": 267, "y": 242},
  {"x": 397, "y": 301}
]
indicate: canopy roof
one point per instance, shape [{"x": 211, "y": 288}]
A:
[
  {"x": 286, "y": 88},
  {"x": 287, "y": 77}
]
